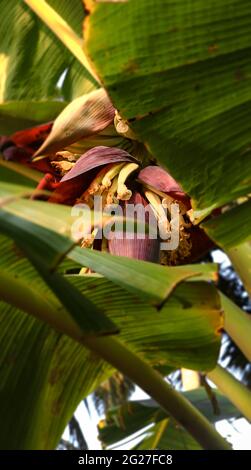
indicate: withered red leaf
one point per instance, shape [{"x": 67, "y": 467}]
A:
[
  {"x": 68, "y": 191},
  {"x": 32, "y": 138}
]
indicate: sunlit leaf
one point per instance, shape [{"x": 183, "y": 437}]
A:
[
  {"x": 29, "y": 92},
  {"x": 44, "y": 375},
  {"x": 180, "y": 74}
]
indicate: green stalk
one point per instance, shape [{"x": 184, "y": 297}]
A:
[
  {"x": 25, "y": 297},
  {"x": 161, "y": 429},
  {"x": 112, "y": 350},
  {"x": 118, "y": 355},
  {"x": 234, "y": 390},
  {"x": 237, "y": 324},
  {"x": 240, "y": 257}
]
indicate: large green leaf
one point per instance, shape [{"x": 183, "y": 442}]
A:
[
  {"x": 231, "y": 228},
  {"x": 15, "y": 187},
  {"x": 52, "y": 393},
  {"x": 180, "y": 73},
  {"x": 164, "y": 336},
  {"x": 44, "y": 375},
  {"x": 32, "y": 61},
  {"x": 16, "y": 115},
  {"x": 183, "y": 333},
  {"x": 56, "y": 216},
  {"x": 21, "y": 187},
  {"x": 133, "y": 417},
  {"x": 153, "y": 282},
  {"x": 46, "y": 249},
  {"x": 14, "y": 172}
]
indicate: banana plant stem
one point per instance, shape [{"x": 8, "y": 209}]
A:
[
  {"x": 240, "y": 257},
  {"x": 237, "y": 324},
  {"x": 129, "y": 363},
  {"x": 116, "y": 353},
  {"x": 234, "y": 390}
]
